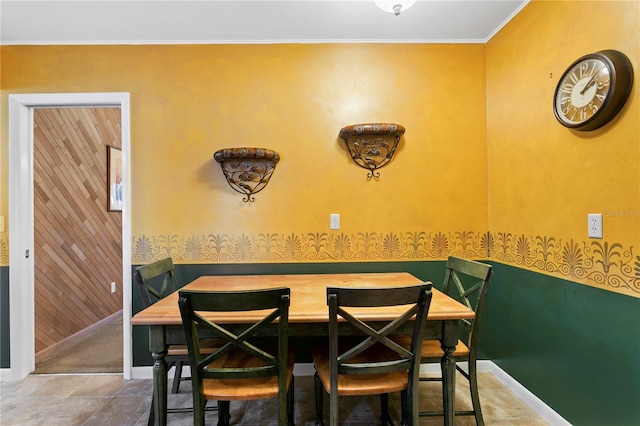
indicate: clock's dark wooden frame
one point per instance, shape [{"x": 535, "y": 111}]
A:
[{"x": 621, "y": 81}]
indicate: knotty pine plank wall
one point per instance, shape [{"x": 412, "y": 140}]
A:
[{"x": 78, "y": 243}]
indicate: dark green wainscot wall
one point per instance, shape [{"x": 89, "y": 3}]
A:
[
  {"x": 5, "y": 354},
  {"x": 433, "y": 271},
  {"x": 575, "y": 347}
]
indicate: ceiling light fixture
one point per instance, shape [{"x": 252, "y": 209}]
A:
[{"x": 394, "y": 6}]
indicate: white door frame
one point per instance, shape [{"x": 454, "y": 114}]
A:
[{"x": 21, "y": 222}]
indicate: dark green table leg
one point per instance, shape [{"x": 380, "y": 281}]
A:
[
  {"x": 158, "y": 347},
  {"x": 448, "y": 364}
]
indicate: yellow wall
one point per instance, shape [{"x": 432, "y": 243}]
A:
[
  {"x": 483, "y": 167},
  {"x": 543, "y": 178},
  {"x": 189, "y": 101}
]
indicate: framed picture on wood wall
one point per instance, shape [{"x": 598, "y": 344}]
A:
[{"x": 114, "y": 179}]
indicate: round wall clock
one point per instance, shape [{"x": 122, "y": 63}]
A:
[{"x": 593, "y": 90}]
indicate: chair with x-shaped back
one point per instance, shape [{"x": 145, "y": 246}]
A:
[
  {"x": 466, "y": 281},
  {"x": 249, "y": 365},
  {"x": 155, "y": 281},
  {"x": 361, "y": 359}
]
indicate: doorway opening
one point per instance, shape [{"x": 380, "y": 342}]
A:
[
  {"x": 21, "y": 226},
  {"x": 77, "y": 240}
]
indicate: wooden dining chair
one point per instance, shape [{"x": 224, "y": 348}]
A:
[
  {"x": 155, "y": 281},
  {"x": 360, "y": 358},
  {"x": 466, "y": 281},
  {"x": 247, "y": 367}
]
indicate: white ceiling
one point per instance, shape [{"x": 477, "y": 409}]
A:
[{"x": 244, "y": 21}]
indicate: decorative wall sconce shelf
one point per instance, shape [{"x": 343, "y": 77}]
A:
[
  {"x": 372, "y": 146},
  {"x": 247, "y": 170}
]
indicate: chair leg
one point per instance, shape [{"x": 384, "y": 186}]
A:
[
  {"x": 291, "y": 415},
  {"x": 198, "y": 409},
  {"x": 223, "y": 413},
  {"x": 333, "y": 407},
  {"x": 176, "y": 378},
  {"x": 152, "y": 417},
  {"x": 475, "y": 397},
  {"x": 385, "y": 419},
  {"x": 404, "y": 408},
  {"x": 318, "y": 395}
]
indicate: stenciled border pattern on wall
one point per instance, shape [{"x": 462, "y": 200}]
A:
[
  {"x": 598, "y": 263},
  {"x": 4, "y": 252}
]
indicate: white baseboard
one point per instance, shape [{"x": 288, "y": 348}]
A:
[
  {"x": 138, "y": 373},
  {"x": 536, "y": 404},
  {"x": 5, "y": 375}
]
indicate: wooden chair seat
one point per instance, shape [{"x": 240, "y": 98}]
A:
[
  {"x": 466, "y": 281},
  {"x": 361, "y": 359},
  {"x": 370, "y": 384},
  {"x": 155, "y": 281},
  {"x": 431, "y": 349},
  {"x": 247, "y": 366},
  {"x": 207, "y": 346},
  {"x": 244, "y": 389}
]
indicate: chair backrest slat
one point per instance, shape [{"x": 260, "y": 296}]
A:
[
  {"x": 155, "y": 280},
  {"x": 194, "y": 306},
  {"x": 417, "y": 299},
  {"x": 467, "y": 281}
]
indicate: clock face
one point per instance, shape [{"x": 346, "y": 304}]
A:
[
  {"x": 593, "y": 90},
  {"x": 582, "y": 91}
]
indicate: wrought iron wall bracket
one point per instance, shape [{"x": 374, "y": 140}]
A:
[
  {"x": 372, "y": 145},
  {"x": 247, "y": 170}
]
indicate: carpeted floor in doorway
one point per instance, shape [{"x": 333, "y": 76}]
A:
[{"x": 96, "y": 351}]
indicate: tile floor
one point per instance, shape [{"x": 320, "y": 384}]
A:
[
  {"x": 97, "y": 349},
  {"x": 68, "y": 400}
]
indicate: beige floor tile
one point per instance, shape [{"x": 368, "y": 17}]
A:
[
  {"x": 110, "y": 400},
  {"x": 100, "y": 386},
  {"x": 136, "y": 388},
  {"x": 49, "y": 410},
  {"x": 47, "y": 385},
  {"x": 98, "y": 349},
  {"x": 120, "y": 411}
]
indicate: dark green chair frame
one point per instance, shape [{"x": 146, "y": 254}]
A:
[
  {"x": 155, "y": 281},
  {"x": 367, "y": 335},
  {"x": 193, "y": 307},
  {"x": 466, "y": 281},
  {"x": 146, "y": 276}
]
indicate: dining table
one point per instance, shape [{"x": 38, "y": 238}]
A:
[{"x": 308, "y": 317}]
